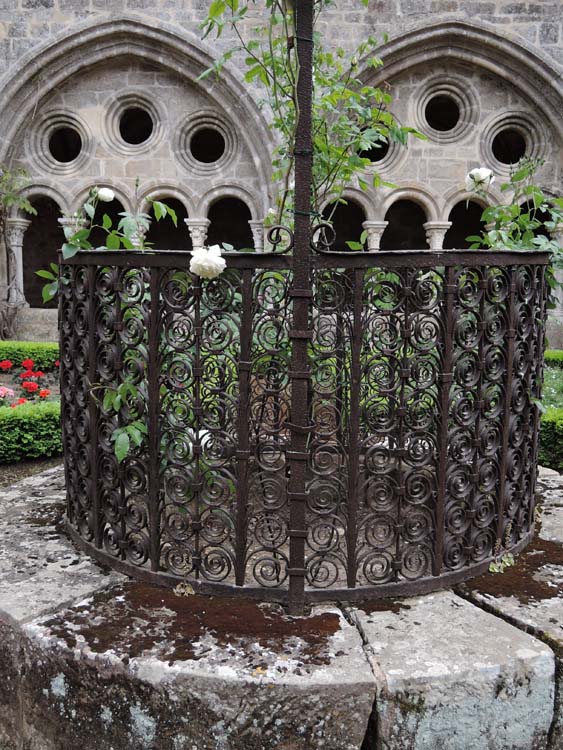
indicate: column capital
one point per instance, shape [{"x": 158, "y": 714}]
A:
[
  {"x": 257, "y": 229},
  {"x": 374, "y": 231},
  {"x": 436, "y": 232},
  {"x": 15, "y": 230},
  {"x": 198, "y": 231}
]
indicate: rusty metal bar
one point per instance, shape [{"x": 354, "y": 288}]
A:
[
  {"x": 93, "y": 409},
  {"x": 245, "y": 364},
  {"x": 154, "y": 419},
  {"x": 510, "y": 334},
  {"x": 301, "y": 333},
  {"x": 446, "y": 377}
]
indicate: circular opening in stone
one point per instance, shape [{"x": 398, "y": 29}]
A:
[
  {"x": 376, "y": 153},
  {"x": 442, "y": 113},
  {"x": 509, "y": 146},
  {"x": 65, "y": 144},
  {"x": 135, "y": 125},
  {"x": 207, "y": 145}
]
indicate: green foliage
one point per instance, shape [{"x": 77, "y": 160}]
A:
[
  {"x": 502, "y": 562},
  {"x": 44, "y": 354},
  {"x": 30, "y": 431},
  {"x": 12, "y": 182},
  {"x": 554, "y": 358},
  {"x": 349, "y": 116},
  {"x": 517, "y": 225},
  {"x": 551, "y": 440},
  {"x": 129, "y": 234}
]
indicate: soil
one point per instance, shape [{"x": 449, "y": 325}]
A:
[
  {"x": 10, "y": 473},
  {"x": 133, "y": 618}
]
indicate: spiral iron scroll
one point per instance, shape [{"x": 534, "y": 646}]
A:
[{"x": 422, "y": 444}]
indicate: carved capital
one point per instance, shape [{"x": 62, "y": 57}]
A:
[
  {"x": 436, "y": 232},
  {"x": 257, "y": 229},
  {"x": 15, "y": 230},
  {"x": 374, "y": 231},
  {"x": 198, "y": 231}
]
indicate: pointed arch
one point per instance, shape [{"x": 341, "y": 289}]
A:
[
  {"x": 43, "y": 70},
  {"x": 508, "y": 56}
]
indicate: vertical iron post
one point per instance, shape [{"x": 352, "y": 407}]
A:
[{"x": 301, "y": 331}]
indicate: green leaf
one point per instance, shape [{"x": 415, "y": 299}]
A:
[
  {"x": 135, "y": 435},
  {"x": 354, "y": 245},
  {"x": 49, "y": 291},
  {"x": 107, "y": 403},
  {"x": 122, "y": 445},
  {"x": 113, "y": 241},
  {"x": 106, "y": 222},
  {"x": 159, "y": 210},
  {"x": 173, "y": 215},
  {"x": 89, "y": 210},
  {"x": 69, "y": 250},
  {"x": 45, "y": 274}
]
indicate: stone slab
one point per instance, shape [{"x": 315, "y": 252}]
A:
[
  {"x": 452, "y": 677},
  {"x": 530, "y": 594},
  {"x": 40, "y": 569},
  {"x": 96, "y": 661},
  {"x": 137, "y": 667}
]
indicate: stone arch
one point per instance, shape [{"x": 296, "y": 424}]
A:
[
  {"x": 229, "y": 222},
  {"x": 254, "y": 203},
  {"x": 121, "y": 193},
  {"x": 156, "y": 190},
  {"x": 452, "y": 197},
  {"x": 45, "y": 190},
  {"x": 40, "y": 72},
  {"x": 406, "y": 218},
  {"x": 348, "y": 219},
  {"x": 363, "y": 198},
  {"x": 509, "y": 57},
  {"x": 417, "y": 195}
]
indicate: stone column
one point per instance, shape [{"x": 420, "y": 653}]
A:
[
  {"x": 374, "y": 231},
  {"x": 198, "y": 231},
  {"x": 15, "y": 230},
  {"x": 257, "y": 229},
  {"x": 435, "y": 233}
]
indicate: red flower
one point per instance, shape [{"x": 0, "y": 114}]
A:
[
  {"x": 28, "y": 364},
  {"x": 20, "y": 401},
  {"x": 30, "y": 387},
  {"x": 13, "y": 406},
  {"x": 57, "y": 363},
  {"x": 44, "y": 392},
  {"x": 5, "y": 365},
  {"x": 27, "y": 374},
  {"x": 39, "y": 374}
]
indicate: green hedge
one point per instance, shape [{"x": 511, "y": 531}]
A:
[
  {"x": 30, "y": 431},
  {"x": 551, "y": 440},
  {"x": 44, "y": 354},
  {"x": 554, "y": 357}
]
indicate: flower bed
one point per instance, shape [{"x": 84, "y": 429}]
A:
[{"x": 23, "y": 381}]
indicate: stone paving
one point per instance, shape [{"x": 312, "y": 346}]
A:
[{"x": 92, "y": 660}]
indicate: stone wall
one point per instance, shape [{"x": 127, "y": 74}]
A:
[{"x": 72, "y": 68}]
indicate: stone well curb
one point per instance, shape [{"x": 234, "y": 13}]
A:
[{"x": 94, "y": 661}]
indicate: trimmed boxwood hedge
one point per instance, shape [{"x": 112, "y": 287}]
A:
[
  {"x": 554, "y": 357},
  {"x": 44, "y": 354},
  {"x": 30, "y": 431},
  {"x": 551, "y": 440}
]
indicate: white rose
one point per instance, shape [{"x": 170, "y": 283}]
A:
[
  {"x": 479, "y": 179},
  {"x": 106, "y": 195},
  {"x": 207, "y": 262}
]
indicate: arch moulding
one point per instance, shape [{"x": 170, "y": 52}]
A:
[{"x": 44, "y": 69}]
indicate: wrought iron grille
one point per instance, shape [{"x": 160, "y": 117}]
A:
[{"x": 405, "y": 461}]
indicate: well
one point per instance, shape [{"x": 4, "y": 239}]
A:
[{"x": 401, "y": 458}]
